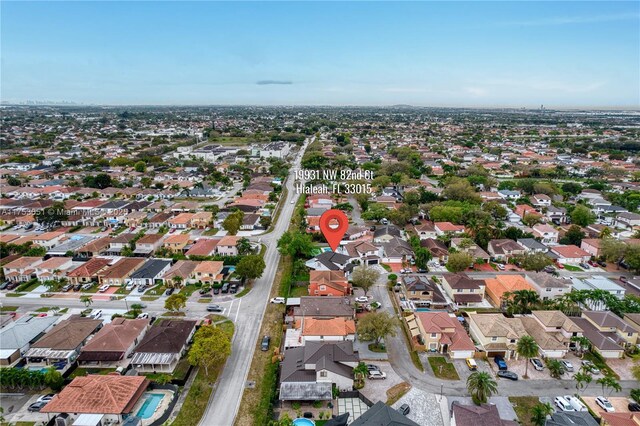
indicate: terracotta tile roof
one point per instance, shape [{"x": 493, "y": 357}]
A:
[
  {"x": 177, "y": 239},
  {"x": 68, "y": 334},
  {"x": 570, "y": 252},
  {"x": 54, "y": 262},
  {"x": 209, "y": 267},
  {"x": 229, "y": 240},
  {"x": 453, "y": 332},
  {"x": 150, "y": 239},
  {"x": 339, "y": 326},
  {"x": 122, "y": 267},
  {"x": 117, "y": 336},
  {"x": 23, "y": 262},
  {"x": 203, "y": 247},
  {"x": 498, "y": 286},
  {"x": 96, "y": 394},
  {"x": 90, "y": 268}
]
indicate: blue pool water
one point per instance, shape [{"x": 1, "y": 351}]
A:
[
  {"x": 423, "y": 310},
  {"x": 303, "y": 422},
  {"x": 149, "y": 405}
]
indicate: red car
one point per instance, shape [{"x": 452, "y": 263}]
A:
[{"x": 560, "y": 265}]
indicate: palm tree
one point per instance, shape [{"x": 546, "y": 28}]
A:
[
  {"x": 87, "y": 300},
  {"x": 555, "y": 368},
  {"x": 524, "y": 300},
  {"x": 609, "y": 382},
  {"x": 582, "y": 378},
  {"x": 528, "y": 348},
  {"x": 583, "y": 344},
  {"x": 481, "y": 386},
  {"x": 539, "y": 413},
  {"x": 244, "y": 246}
]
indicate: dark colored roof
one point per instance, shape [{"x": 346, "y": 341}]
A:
[
  {"x": 68, "y": 334},
  {"x": 168, "y": 336},
  {"x": 331, "y": 260},
  {"x": 571, "y": 418},
  {"x": 386, "y": 230},
  {"x": 462, "y": 281},
  {"x": 320, "y": 306},
  {"x": 602, "y": 341},
  {"x": 418, "y": 283},
  {"x": 325, "y": 356},
  {"x": 382, "y": 415},
  {"x": 478, "y": 415},
  {"x": 151, "y": 268}
]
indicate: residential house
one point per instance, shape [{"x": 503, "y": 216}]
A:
[
  {"x": 396, "y": 251},
  {"x": 507, "y": 194},
  {"x": 201, "y": 220},
  {"x": 441, "y": 332},
  {"x": 496, "y": 334},
  {"x": 552, "y": 331},
  {"x": 504, "y": 249},
  {"x": 324, "y": 307},
  {"x": 180, "y": 273},
  {"x": 593, "y": 246},
  {"x": 53, "y": 268},
  {"x": 628, "y": 220},
  {"x": 337, "y": 329},
  {"x": 571, "y": 418},
  {"x": 147, "y": 244},
  {"x": 547, "y": 233},
  {"x": 547, "y": 286},
  {"x": 88, "y": 271},
  {"x": 61, "y": 345},
  {"x": 17, "y": 337},
  {"x": 599, "y": 282},
  {"x": 150, "y": 272},
  {"x": 532, "y": 246},
  {"x": 363, "y": 252},
  {"x": 22, "y": 269},
  {"x": 93, "y": 248},
  {"x": 448, "y": 228},
  {"x": 176, "y": 243},
  {"x": 477, "y": 415},
  {"x": 163, "y": 346},
  {"x": 114, "y": 342},
  {"x": 500, "y": 285},
  {"x": 181, "y": 221},
  {"x": 48, "y": 240},
  {"x": 437, "y": 248},
  {"x": 463, "y": 290},
  {"x": 423, "y": 292},
  {"x": 111, "y": 397},
  {"x": 203, "y": 247},
  {"x": 570, "y": 254},
  {"x": 309, "y": 372},
  {"x": 329, "y": 261},
  {"x": 250, "y": 222},
  {"x": 380, "y": 414},
  {"x": 328, "y": 283},
  {"x": 557, "y": 215},
  {"x": 120, "y": 242},
  {"x": 228, "y": 246},
  {"x": 605, "y": 343},
  {"x": 386, "y": 233},
  {"x": 468, "y": 246},
  {"x": 208, "y": 272},
  {"x": 426, "y": 230},
  {"x": 117, "y": 273},
  {"x": 541, "y": 200},
  {"x": 613, "y": 326}
]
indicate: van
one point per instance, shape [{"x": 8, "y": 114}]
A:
[
  {"x": 471, "y": 363},
  {"x": 575, "y": 403},
  {"x": 225, "y": 288}
]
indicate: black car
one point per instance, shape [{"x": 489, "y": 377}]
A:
[
  {"x": 77, "y": 287},
  {"x": 371, "y": 367},
  {"x": 264, "y": 345},
  {"x": 169, "y": 291},
  {"x": 233, "y": 289},
  {"x": 601, "y": 263},
  {"x": 404, "y": 409},
  {"x": 214, "y": 308},
  {"x": 422, "y": 271},
  {"x": 225, "y": 288},
  {"x": 507, "y": 375},
  {"x": 203, "y": 291},
  {"x": 633, "y": 406},
  {"x": 12, "y": 285},
  {"x": 216, "y": 290}
]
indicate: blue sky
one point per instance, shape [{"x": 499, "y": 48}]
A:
[{"x": 560, "y": 54}]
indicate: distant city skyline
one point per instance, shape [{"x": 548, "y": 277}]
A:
[{"x": 456, "y": 54}]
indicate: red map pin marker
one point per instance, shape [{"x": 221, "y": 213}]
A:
[{"x": 333, "y": 234}]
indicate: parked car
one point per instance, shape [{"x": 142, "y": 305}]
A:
[
  {"x": 505, "y": 374},
  {"x": 142, "y": 288},
  {"x": 471, "y": 363},
  {"x": 362, "y": 299},
  {"x": 36, "y": 407},
  {"x": 623, "y": 279},
  {"x": 130, "y": 286},
  {"x": 633, "y": 406},
  {"x": 233, "y": 289},
  {"x": 567, "y": 365},
  {"x": 46, "y": 398},
  {"x": 605, "y": 404},
  {"x": 77, "y": 287},
  {"x": 422, "y": 271},
  {"x": 371, "y": 367},
  {"x": 66, "y": 287},
  {"x": 216, "y": 290},
  {"x": 264, "y": 345},
  {"x": 143, "y": 315},
  {"x": 87, "y": 286},
  {"x": 96, "y": 314},
  {"x": 559, "y": 265},
  {"x": 500, "y": 266},
  {"x": 214, "y": 308},
  {"x": 500, "y": 362},
  {"x": 602, "y": 264},
  {"x": 590, "y": 366},
  {"x": 4, "y": 285},
  {"x": 537, "y": 364},
  {"x": 103, "y": 288},
  {"x": 225, "y": 288},
  {"x": 374, "y": 375},
  {"x": 404, "y": 409},
  {"x": 169, "y": 291},
  {"x": 575, "y": 403},
  {"x": 563, "y": 404},
  {"x": 584, "y": 266},
  {"x": 280, "y": 300}
]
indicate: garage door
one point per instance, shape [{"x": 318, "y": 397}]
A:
[
  {"x": 493, "y": 354},
  {"x": 373, "y": 262}
]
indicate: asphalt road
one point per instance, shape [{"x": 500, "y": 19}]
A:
[{"x": 225, "y": 400}]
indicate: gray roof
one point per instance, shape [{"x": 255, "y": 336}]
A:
[
  {"x": 571, "y": 418},
  {"x": 322, "y": 306},
  {"x": 386, "y": 230},
  {"x": 151, "y": 268},
  {"x": 602, "y": 341},
  {"x": 331, "y": 260},
  {"x": 532, "y": 244},
  {"x": 382, "y": 415},
  {"x": 73, "y": 244},
  {"x": 24, "y": 331}
]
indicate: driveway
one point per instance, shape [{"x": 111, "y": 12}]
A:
[
  {"x": 425, "y": 407},
  {"x": 619, "y": 404},
  {"x": 464, "y": 372},
  {"x": 376, "y": 390}
]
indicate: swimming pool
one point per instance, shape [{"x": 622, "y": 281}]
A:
[
  {"x": 423, "y": 310},
  {"x": 149, "y": 405},
  {"x": 303, "y": 422}
]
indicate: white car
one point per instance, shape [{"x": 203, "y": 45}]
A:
[
  {"x": 362, "y": 299},
  {"x": 143, "y": 315},
  {"x": 130, "y": 286},
  {"x": 96, "y": 314},
  {"x": 575, "y": 403},
  {"x": 567, "y": 365},
  {"x": 563, "y": 404},
  {"x": 103, "y": 288},
  {"x": 605, "y": 404},
  {"x": 280, "y": 300},
  {"x": 374, "y": 375}
]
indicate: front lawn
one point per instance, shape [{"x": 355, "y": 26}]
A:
[
  {"x": 188, "y": 290},
  {"x": 523, "y": 405},
  {"x": 244, "y": 292},
  {"x": 572, "y": 268},
  {"x": 298, "y": 291},
  {"x": 442, "y": 368},
  {"x": 79, "y": 372},
  {"x": 8, "y": 309}
]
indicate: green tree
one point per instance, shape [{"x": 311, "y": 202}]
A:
[
  {"x": 555, "y": 368},
  {"x": 53, "y": 378},
  {"x": 140, "y": 167},
  {"x": 87, "y": 300},
  {"x": 612, "y": 250},
  {"x": 535, "y": 261},
  {"x": 423, "y": 256},
  {"x": 233, "y": 222},
  {"x": 99, "y": 181},
  {"x": 52, "y": 216},
  {"x": 376, "y": 326},
  {"x": 295, "y": 244},
  {"x": 460, "y": 190},
  {"x": 243, "y": 246},
  {"x": 582, "y": 378},
  {"x": 210, "y": 348},
  {"x": 571, "y": 188},
  {"x": 481, "y": 386},
  {"x": 175, "y": 302},
  {"x": 459, "y": 261},
  {"x": 632, "y": 257},
  {"x": 609, "y": 382},
  {"x": 136, "y": 309},
  {"x": 539, "y": 413},
  {"x": 582, "y": 216},
  {"x": 573, "y": 236},
  {"x": 527, "y": 348},
  {"x": 365, "y": 277},
  {"x": 531, "y": 219},
  {"x": 250, "y": 267}
]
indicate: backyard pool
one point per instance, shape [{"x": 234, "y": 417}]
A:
[
  {"x": 149, "y": 405},
  {"x": 303, "y": 422}
]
